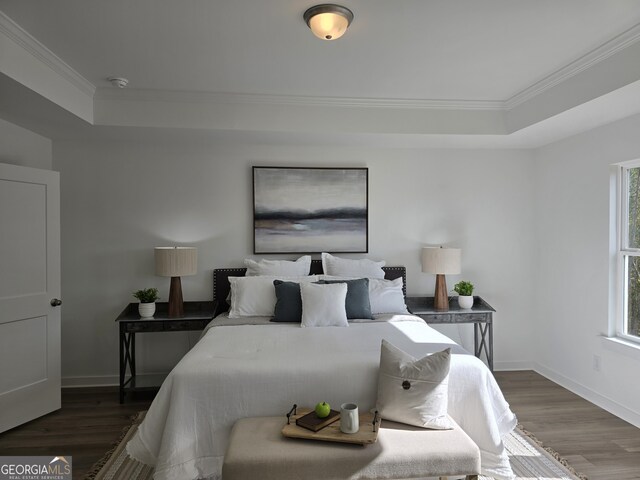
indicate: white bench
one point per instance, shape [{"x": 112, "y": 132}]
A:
[{"x": 257, "y": 450}]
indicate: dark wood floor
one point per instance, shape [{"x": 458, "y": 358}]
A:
[
  {"x": 90, "y": 421},
  {"x": 595, "y": 442}
]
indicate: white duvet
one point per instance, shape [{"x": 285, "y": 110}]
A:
[{"x": 261, "y": 370}]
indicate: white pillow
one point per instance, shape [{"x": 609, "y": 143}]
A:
[
  {"x": 336, "y": 277},
  {"x": 385, "y": 296},
  {"x": 323, "y": 305},
  {"x": 297, "y": 268},
  {"x": 256, "y": 296},
  {"x": 351, "y": 268},
  {"x": 413, "y": 391}
]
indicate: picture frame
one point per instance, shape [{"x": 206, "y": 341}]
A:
[{"x": 310, "y": 210}]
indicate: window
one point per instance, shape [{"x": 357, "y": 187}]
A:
[{"x": 629, "y": 252}]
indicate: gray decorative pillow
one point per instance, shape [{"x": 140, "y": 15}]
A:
[
  {"x": 357, "y": 303},
  {"x": 288, "y": 302},
  {"x": 414, "y": 391}
]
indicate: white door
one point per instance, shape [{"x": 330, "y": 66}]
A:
[{"x": 29, "y": 281}]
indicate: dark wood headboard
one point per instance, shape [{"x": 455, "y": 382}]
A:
[{"x": 221, "y": 284}]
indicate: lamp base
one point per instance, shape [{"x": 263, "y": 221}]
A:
[
  {"x": 441, "y": 300},
  {"x": 176, "y": 305}
]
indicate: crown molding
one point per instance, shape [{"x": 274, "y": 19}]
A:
[
  {"x": 31, "y": 45},
  {"x": 148, "y": 95},
  {"x": 604, "y": 51},
  {"x": 597, "y": 55},
  {"x": 17, "y": 37}
]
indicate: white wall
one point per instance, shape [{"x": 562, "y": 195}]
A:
[
  {"x": 122, "y": 198},
  {"x": 573, "y": 262},
  {"x": 19, "y": 146}
]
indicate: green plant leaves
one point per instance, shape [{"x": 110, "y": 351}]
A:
[
  {"x": 148, "y": 295},
  {"x": 464, "y": 288}
]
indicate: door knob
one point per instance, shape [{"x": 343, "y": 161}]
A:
[{"x": 56, "y": 302}]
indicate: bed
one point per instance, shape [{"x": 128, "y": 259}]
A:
[{"x": 253, "y": 367}]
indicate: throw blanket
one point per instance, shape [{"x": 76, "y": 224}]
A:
[{"x": 238, "y": 371}]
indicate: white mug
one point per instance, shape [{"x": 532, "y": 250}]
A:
[{"x": 349, "y": 422}]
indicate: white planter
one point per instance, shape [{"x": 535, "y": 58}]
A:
[
  {"x": 147, "y": 310},
  {"x": 465, "y": 301}
]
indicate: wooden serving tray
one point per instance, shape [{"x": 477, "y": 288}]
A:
[{"x": 332, "y": 433}]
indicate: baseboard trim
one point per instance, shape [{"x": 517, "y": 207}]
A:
[
  {"x": 513, "y": 366},
  {"x": 601, "y": 401},
  {"x": 98, "y": 381}
]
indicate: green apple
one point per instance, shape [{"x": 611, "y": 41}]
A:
[{"x": 323, "y": 410}]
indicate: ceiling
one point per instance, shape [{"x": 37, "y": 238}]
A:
[{"x": 451, "y": 51}]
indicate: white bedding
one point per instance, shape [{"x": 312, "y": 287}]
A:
[{"x": 262, "y": 369}]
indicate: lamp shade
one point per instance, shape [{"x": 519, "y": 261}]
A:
[
  {"x": 441, "y": 261},
  {"x": 176, "y": 261},
  {"x": 328, "y": 21}
]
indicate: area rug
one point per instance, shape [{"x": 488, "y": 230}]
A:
[
  {"x": 529, "y": 460},
  {"x": 116, "y": 464}
]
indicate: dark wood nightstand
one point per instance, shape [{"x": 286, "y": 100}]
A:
[
  {"x": 196, "y": 316},
  {"x": 481, "y": 315}
]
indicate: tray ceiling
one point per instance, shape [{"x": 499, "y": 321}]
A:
[{"x": 488, "y": 55}]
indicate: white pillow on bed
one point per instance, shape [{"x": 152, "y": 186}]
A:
[
  {"x": 351, "y": 268},
  {"x": 256, "y": 296},
  {"x": 385, "y": 296},
  {"x": 414, "y": 391},
  {"x": 297, "y": 268},
  {"x": 323, "y": 305}
]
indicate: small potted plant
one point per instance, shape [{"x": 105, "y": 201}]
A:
[
  {"x": 147, "y": 299},
  {"x": 465, "y": 293}
]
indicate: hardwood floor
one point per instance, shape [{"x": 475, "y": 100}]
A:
[
  {"x": 596, "y": 443},
  {"x": 90, "y": 421}
]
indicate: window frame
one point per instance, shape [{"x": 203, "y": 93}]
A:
[{"x": 624, "y": 251}]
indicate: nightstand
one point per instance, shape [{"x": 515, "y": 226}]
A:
[
  {"x": 196, "y": 316},
  {"x": 481, "y": 315}
]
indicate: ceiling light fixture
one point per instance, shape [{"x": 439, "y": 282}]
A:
[
  {"x": 118, "y": 81},
  {"x": 328, "y": 21}
]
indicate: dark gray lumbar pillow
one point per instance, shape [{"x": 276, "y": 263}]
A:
[
  {"x": 288, "y": 302},
  {"x": 357, "y": 303}
]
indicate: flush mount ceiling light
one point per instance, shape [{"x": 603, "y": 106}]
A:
[
  {"x": 118, "y": 81},
  {"x": 328, "y": 21}
]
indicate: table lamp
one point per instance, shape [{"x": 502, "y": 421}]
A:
[
  {"x": 176, "y": 262},
  {"x": 441, "y": 261}
]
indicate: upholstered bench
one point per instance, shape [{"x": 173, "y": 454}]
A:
[{"x": 257, "y": 450}]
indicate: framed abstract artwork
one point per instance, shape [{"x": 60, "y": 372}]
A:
[{"x": 310, "y": 210}]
